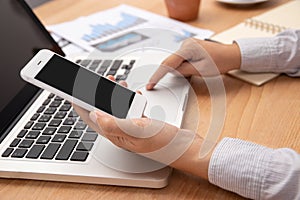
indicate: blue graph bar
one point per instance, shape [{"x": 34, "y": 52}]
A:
[
  {"x": 186, "y": 34},
  {"x": 102, "y": 30}
]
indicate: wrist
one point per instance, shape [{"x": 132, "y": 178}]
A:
[
  {"x": 190, "y": 161},
  {"x": 232, "y": 57},
  {"x": 226, "y": 56}
]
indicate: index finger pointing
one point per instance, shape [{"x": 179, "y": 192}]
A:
[{"x": 169, "y": 64}]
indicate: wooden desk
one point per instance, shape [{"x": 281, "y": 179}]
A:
[{"x": 267, "y": 115}]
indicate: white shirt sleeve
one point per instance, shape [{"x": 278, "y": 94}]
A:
[
  {"x": 255, "y": 171},
  {"x": 279, "y": 54}
]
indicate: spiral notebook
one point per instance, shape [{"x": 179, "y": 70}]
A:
[{"x": 265, "y": 25}]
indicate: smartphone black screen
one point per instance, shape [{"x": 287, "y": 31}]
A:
[{"x": 87, "y": 86}]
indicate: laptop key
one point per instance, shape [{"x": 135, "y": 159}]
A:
[
  {"x": 64, "y": 129},
  {"x": 96, "y": 62},
  {"x": 125, "y": 66},
  {"x": 32, "y": 134},
  {"x": 49, "y": 131},
  {"x": 50, "y": 111},
  {"x": 57, "y": 98},
  {"x": 93, "y": 68},
  {"x": 73, "y": 114},
  {"x": 15, "y": 142},
  {"x": 26, "y": 143},
  {"x": 67, "y": 102},
  {"x": 89, "y": 137},
  {"x": 7, "y": 152},
  {"x": 131, "y": 63},
  {"x": 39, "y": 126},
  {"x": 50, "y": 151},
  {"x": 65, "y": 107},
  {"x": 28, "y": 125},
  {"x": 121, "y": 77},
  {"x": 69, "y": 121},
  {"x": 80, "y": 126},
  {"x": 44, "y": 118},
  {"x": 58, "y": 138},
  {"x": 89, "y": 129},
  {"x": 94, "y": 65},
  {"x": 75, "y": 134},
  {"x": 111, "y": 72},
  {"x": 105, "y": 65},
  {"x": 127, "y": 72},
  {"x": 35, "y": 117},
  {"x": 101, "y": 71},
  {"x": 51, "y": 96},
  {"x": 66, "y": 150},
  {"x": 41, "y": 109},
  {"x": 116, "y": 65},
  {"x": 55, "y": 122},
  {"x": 85, "y": 63},
  {"x": 35, "y": 151},
  {"x": 85, "y": 146},
  {"x": 79, "y": 156},
  {"x": 43, "y": 139},
  {"x": 19, "y": 153},
  {"x": 22, "y": 133},
  {"x": 60, "y": 115},
  {"x": 46, "y": 102},
  {"x": 55, "y": 104}
]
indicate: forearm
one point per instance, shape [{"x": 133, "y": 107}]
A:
[
  {"x": 255, "y": 171},
  {"x": 190, "y": 162},
  {"x": 279, "y": 54},
  {"x": 226, "y": 57},
  {"x": 248, "y": 169}
]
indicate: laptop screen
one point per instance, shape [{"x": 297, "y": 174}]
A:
[{"x": 22, "y": 35}]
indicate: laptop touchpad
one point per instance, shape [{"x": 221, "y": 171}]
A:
[{"x": 162, "y": 104}]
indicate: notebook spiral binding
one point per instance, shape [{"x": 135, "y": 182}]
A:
[{"x": 263, "y": 26}]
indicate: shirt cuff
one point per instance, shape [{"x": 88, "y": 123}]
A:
[
  {"x": 278, "y": 54},
  {"x": 237, "y": 166},
  {"x": 257, "y": 54}
]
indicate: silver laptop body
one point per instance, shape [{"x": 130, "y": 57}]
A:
[{"x": 82, "y": 164}]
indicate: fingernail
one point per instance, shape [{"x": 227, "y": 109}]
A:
[
  {"x": 149, "y": 86},
  {"x": 93, "y": 116}
]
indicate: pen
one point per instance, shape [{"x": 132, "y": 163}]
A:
[{"x": 211, "y": 40}]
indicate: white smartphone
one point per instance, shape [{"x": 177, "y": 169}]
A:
[{"x": 85, "y": 88}]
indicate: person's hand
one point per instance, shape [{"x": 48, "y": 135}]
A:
[
  {"x": 142, "y": 135},
  {"x": 145, "y": 136},
  {"x": 199, "y": 57}
]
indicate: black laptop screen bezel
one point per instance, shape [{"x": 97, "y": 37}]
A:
[{"x": 10, "y": 114}]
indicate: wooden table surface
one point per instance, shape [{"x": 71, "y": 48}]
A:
[{"x": 268, "y": 115}]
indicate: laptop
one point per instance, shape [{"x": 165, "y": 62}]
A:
[{"x": 43, "y": 138}]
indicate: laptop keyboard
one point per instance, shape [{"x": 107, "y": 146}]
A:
[
  {"x": 118, "y": 68},
  {"x": 55, "y": 131}
]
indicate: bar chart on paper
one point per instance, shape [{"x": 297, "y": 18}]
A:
[
  {"x": 120, "y": 27},
  {"x": 96, "y": 28},
  {"x": 100, "y": 30}
]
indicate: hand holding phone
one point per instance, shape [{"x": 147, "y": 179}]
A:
[{"x": 81, "y": 86}]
